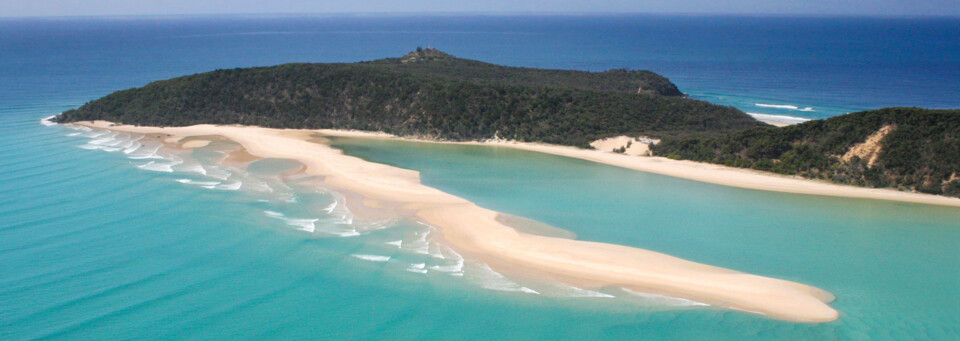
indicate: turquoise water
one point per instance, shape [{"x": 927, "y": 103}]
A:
[
  {"x": 99, "y": 245},
  {"x": 105, "y": 249},
  {"x": 892, "y": 265}
]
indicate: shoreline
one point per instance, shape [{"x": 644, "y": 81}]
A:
[
  {"x": 697, "y": 171},
  {"x": 777, "y": 120},
  {"x": 474, "y": 230}
]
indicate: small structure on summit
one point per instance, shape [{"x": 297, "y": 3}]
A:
[{"x": 424, "y": 54}]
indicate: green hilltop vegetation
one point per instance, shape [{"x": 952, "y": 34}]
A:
[
  {"x": 905, "y": 148},
  {"x": 429, "y": 94}
]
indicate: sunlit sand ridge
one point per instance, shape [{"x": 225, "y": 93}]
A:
[{"x": 475, "y": 230}]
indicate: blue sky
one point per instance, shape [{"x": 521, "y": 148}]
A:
[{"x": 18, "y": 8}]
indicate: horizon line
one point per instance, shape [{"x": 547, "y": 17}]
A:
[{"x": 492, "y": 14}]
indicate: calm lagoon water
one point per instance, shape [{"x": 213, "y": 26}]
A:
[{"x": 96, "y": 244}]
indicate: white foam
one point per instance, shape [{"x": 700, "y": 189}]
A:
[
  {"x": 489, "y": 279},
  {"x": 783, "y": 106},
  {"x": 339, "y": 222},
  {"x": 157, "y": 166},
  {"x": 397, "y": 243},
  {"x": 330, "y": 207},
  {"x": 218, "y": 173},
  {"x": 308, "y": 225},
  {"x": 73, "y": 134},
  {"x": 665, "y": 300},
  {"x": 372, "y": 226},
  {"x": 333, "y": 229},
  {"x": 420, "y": 244},
  {"x": 94, "y": 133},
  {"x": 131, "y": 141},
  {"x": 418, "y": 268},
  {"x": 47, "y": 121},
  {"x": 132, "y": 148},
  {"x": 572, "y": 291},
  {"x": 449, "y": 268},
  {"x": 106, "y": 140},
  {"x": 205, "y": 184},
  {"x": 89, "y": 146},
  {"x": 449, "y": 256},
  {"x": 372, "y": 258},
  {"x": 233, "y": 186},
  {"x": 338, "y": 210},
  {"x": 145, "y": 152},
  {"x": 111, "y": 149},
  {"x": 195, "y": 168}
]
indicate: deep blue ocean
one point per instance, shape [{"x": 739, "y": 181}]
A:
[{"x": 107, "y": 236}]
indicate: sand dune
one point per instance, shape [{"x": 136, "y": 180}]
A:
[{"x": 475, "y": 230}]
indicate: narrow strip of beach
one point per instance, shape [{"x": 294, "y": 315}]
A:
[
  {"x": 700, "y": 171},
  {"x": 477, "y": 231}
]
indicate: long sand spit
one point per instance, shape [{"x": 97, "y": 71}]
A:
[{"x": 476, "y": 230}]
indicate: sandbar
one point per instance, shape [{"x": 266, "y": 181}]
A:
[{"x": 476, "y": 230}]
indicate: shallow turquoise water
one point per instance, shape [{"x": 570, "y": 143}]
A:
[
  {"x": 97, "y": 248},
  {"x": 94, "y": 247},
  {"x": 892, "y": 265}
]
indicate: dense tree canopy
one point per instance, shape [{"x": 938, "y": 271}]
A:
[
  {"x": 920, "y": 152},
  {"x": 426, "y": 93}
]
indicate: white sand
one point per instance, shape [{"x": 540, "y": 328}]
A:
[
  {"x": 476, "y": 230},
  {"x": 778, "y": 120},
  {"x": 699, "y": 171},
  {"x": 736, "y": 177},
  {"x": 631, "y": 145}
]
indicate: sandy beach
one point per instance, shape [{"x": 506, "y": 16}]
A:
[
  {"x": 703, "y": 172},
  {"x": 475, "y": 230}
]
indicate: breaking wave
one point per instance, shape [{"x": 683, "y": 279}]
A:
[
  {"x": 413, "y": 249},
  {"x": 372, "y": 258},
  {"x": 487, "y": 278},
  {"x": 48, "y": 121},
  {"x": 783, "y": 106},
  {"x": 308, "y": 225},
  {"x": 664, "y": 300}
]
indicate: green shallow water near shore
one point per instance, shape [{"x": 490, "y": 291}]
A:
[
  {"x": 893, "y": 266},
  {"x": 93, "y": 247},
  {"x": 98, "y": 248}
]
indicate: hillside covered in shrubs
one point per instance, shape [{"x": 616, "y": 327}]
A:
[
  {"x": 426, "y": 93},
  {"x": 905, "y": 148}
]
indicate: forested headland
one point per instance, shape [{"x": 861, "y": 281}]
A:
[{"x": 428, "y": 94}]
